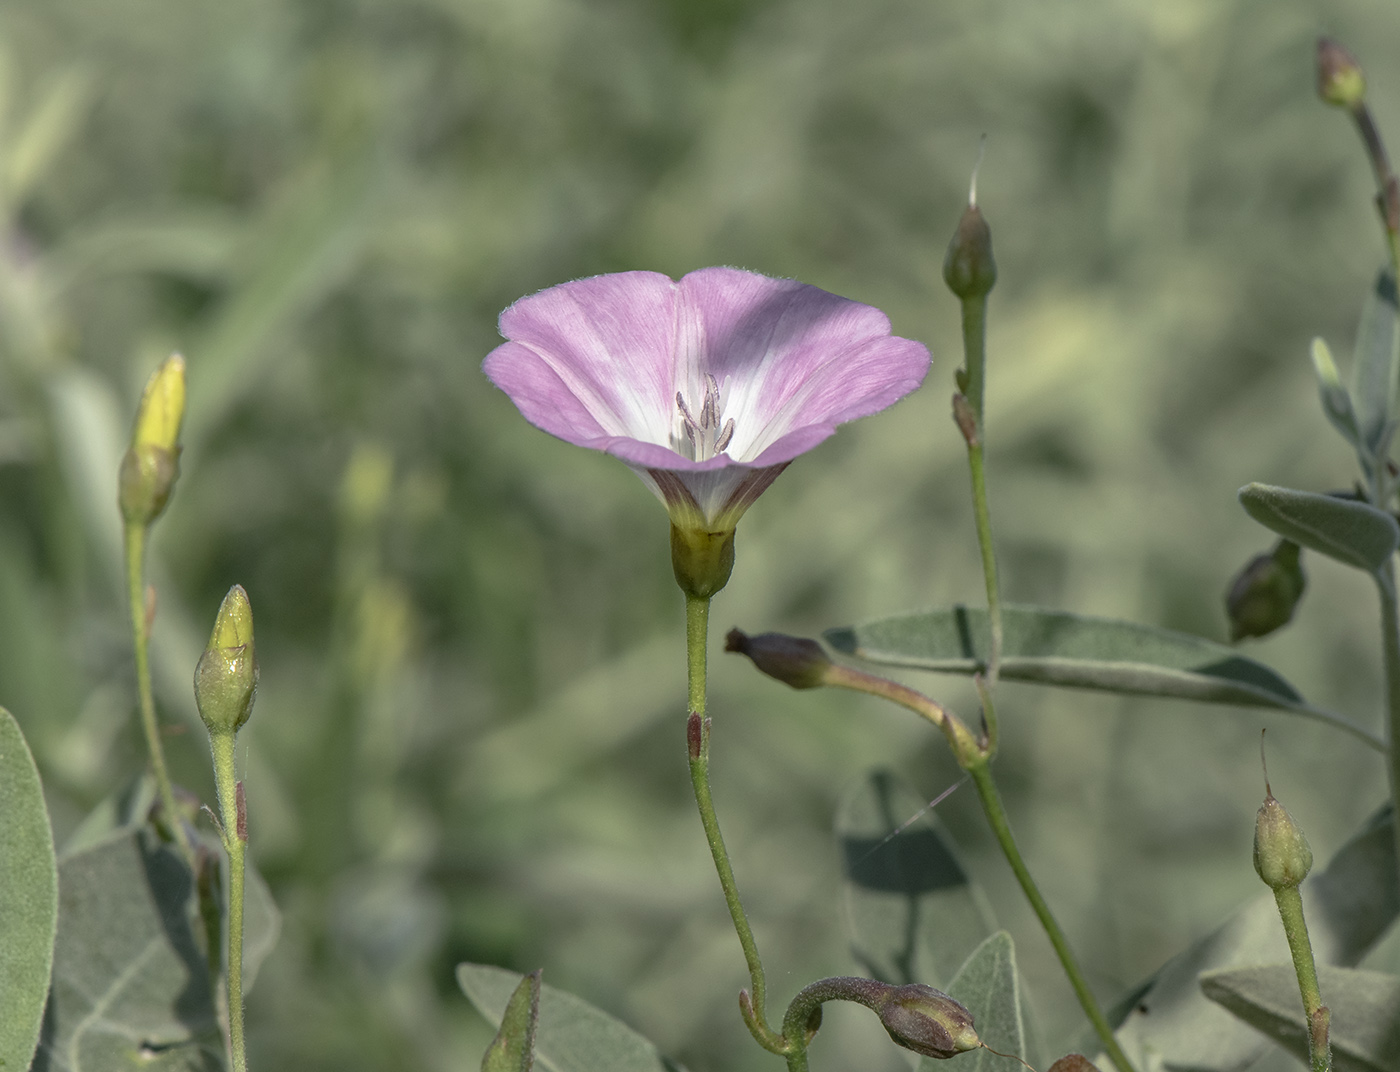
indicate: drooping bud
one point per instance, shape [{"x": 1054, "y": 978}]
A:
[
  {"x": 1073, "y": 1062},
  {"x": 968, "y": 268},
  {"x": 152, "y": 462},
  {"x": 795, "y": 661},
  {"x": 927, "y": 1021},
  {"x": 226, "y": 677},
  {"x": 1263, "y": 595},
  {"x": 1339, "y": 78},
  {"x": 1282, "y": 855},
  {"x": 702, "y": 561}
]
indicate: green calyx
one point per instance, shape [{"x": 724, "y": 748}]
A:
[
  {"x": 702, "y": 560},
  {"x": 969, "y": 269},
  {"x": 226, "y": 677},
  {"x": 1282, "y": 855}
]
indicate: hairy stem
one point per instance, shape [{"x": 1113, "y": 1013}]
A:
[
  {"x": 697, "y": 617},
  {"x": 135, "y": 546}
]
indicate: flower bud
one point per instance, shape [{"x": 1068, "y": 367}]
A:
[
  {"x": 927, "y": 1021},
  {"x": 969, "y": 269},
  {"x": 795, "y": 661},
  {"x": 1266, "y": 591},
  {"x": 226, "y": 677},
  {"x": 152, "y": 462},
  {"x": 1339, "y": 78},
  {"x": 1281, "y": 852},
  {"x": 1263, "y": 595},
  {"x": 702, "y": 560}
]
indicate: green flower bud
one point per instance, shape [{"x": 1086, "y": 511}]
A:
[
  {"x": 702, "y": 560},
  {"x": 969, "y": 269},
  {"x": 927, "y": 1021},
  {"x": 1339, "y": 78},
  {"x": 1281, "y": 852},
  {"x": 795, "y": 661},
  {"x": 152, "y": 462},
  {"x": 1263, "y": 595},
  {"x": 226, "y": 678}
]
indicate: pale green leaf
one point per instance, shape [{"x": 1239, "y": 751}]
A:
[
  {"x": 914, "y": 915},
  {"x": 1052, "y": 647},
  {"x": 1352, "y": 532},
  {"x": 1336, "y": 400},
  {"x": 131, "y": 984},
  {"x": 572, "y": 1035},
  {"x": 1365, "y": 1009},
  {"x": 1350, "y": 905},
  {"x": 513, "y": 1048},
  {"x": 1374, "y": 362},
  {"x": 28, "y": 898},
  {"x": 989, "y": 987}
]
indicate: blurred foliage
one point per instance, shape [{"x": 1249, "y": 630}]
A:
[{"x": 468, "y": 743}]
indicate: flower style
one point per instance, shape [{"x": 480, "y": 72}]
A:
[{"x": 707, "y": 387}]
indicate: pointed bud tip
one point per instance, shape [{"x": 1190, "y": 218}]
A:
[
  {"x": 226, "y": 677},
  {"x": 233, "y": 626},
  {"x": 162, "y": 407},
  {"x": 928, "y": 1021},
  {"x": 1340, "y": 81}
]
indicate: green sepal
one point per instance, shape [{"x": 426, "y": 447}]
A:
[{"x": 513, "y": 1048}]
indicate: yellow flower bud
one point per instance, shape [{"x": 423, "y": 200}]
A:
[
  {"x": 226, "y": 678},
  {"x": 152, "y": 462}
]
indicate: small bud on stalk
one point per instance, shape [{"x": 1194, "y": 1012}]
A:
[
  {"x": 152, "y": 462},
  {"x": 226, "y": 677},
  {"x": 1264, "y": 594},
  {"x": 928, "y": 1021},
  {"x": 1339, "y": 78},
  {"x": 1282, "y": 855},
  {"x": 969, "y": 269},
  {"x": 795, "y": 661}
]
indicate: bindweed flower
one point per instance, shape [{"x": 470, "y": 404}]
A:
[{"x": 707, "y": 387}]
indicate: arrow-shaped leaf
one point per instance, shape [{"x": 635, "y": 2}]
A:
[{"x": 1352, "y": 532}]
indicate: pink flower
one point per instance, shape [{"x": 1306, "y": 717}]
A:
[{"x": 707, "y": 387}]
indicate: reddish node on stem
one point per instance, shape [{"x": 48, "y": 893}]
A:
[{"x": 694, "y": 733}]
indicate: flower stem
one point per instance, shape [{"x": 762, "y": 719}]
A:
[
  {"x": 981, "y": 773},
  {"x": 1390, "y": 660},
  {"x": 974, "y": 331},
  {"x": 697, "y": 618},
  {"x": 135, "y": 546},
  {"x": 1295, "y": 926},
  {"x": 235, "y": 839}
]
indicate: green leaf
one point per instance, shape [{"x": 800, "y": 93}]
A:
[
  {"x": 914, "y": 915},
  {"x": 572, "y": 1035},
  {"x": 1336, "y": 400},
  {"x": 1374, "y": 364},
  {"x": 1352, "y": 532},
  {"x": 131, "y": 984},
  {"x": 1052, "y": 647},
  {"x": 513, "y": 1048},
  {"x": 1365, "y": 1009},
  {"x": 28, "y": 898},
  {"x": 1350, "y": 905},
  {"x": 989, "y": 987}
]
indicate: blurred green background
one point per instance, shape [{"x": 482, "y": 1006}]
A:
[{"x": 469, "y": 742}]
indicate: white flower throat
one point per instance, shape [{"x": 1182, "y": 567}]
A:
[{"x": 702, "y": 437}]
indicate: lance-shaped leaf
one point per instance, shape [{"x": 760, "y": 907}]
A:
[
  {"x": 1350, "y": 905},
  {"x": 1058, "y": 648},
  {"x": 513, "y": 1048},
  {"x": 1365, "y": 1009},
  {"x": 914, "y": 915},
  {"x": 989, "y": 987},
  {"x": 28, "y": 898},
  {"x": 1373, "y": 367},
  {"x": 1348, "y": 530},
  {"x": 1336, "y": 400},
  {"x": 572, "y": 1035}
]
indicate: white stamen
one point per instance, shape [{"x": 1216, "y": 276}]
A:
[{"x": 704, "y": 437}]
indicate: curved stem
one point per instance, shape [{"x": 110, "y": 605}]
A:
[
  {"x": 697, "y": 618},
  {"x": 996, "y": 816},
  {"x": 235, "y": 839},
  {"x": 135, "y": 545}
]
